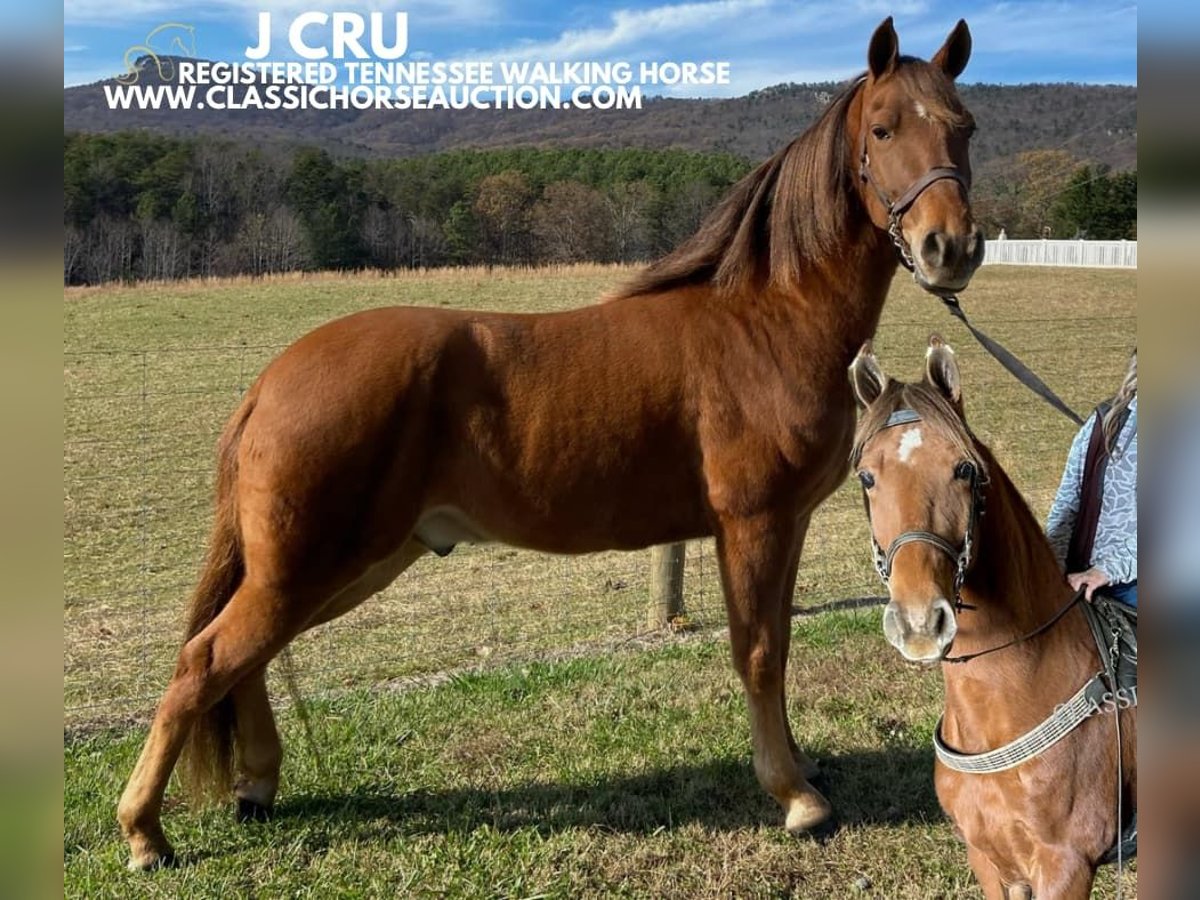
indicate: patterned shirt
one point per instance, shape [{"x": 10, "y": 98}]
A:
[{"x": 1115, "y": 549}]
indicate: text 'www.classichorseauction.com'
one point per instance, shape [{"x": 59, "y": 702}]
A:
[{"x": 418, "y": 85}]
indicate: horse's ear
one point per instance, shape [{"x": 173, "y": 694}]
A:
[
  {"x": 866, "y": 377},
  {"x": 953, "y": 56},
  {"x": 941, "y": 370},
  {"x": 883, "y": 50}
]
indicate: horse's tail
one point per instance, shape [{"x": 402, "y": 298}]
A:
[{"x": 206, "y": 768}]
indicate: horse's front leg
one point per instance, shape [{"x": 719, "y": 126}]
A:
[
  {"x": 989, "y": 877},
  {"x": 808, "y": 766},
  {"x": 1062, "y": 873},
  {"x": 758, "y": 555}
]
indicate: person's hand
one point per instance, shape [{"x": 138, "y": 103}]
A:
[{"x": 1090, "y": 580}]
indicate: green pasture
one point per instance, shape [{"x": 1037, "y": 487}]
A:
[{"x": 501, "y": 723}]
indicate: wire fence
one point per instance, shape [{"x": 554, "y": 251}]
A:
[{"x": 138, "y": 473}]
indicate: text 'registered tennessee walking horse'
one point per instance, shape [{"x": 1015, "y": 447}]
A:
[
  {"x": 1031, "y": 765},
  {"x": 708, "y": 397}
]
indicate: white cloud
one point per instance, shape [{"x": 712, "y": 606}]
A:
[
  {"x": 106, "y": 12},
  {"x": 627, "y": 28},
  {"x": 74, "y": 48}
]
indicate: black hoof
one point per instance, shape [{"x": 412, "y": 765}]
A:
[
  {"x": 249, "y": 811},
  {"x": 826, "y": 830},
  {"x": 822, "y": 832}
]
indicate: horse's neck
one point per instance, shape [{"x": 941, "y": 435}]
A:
[
  {"x": 839, "y": 306},
  {"x": 1015, "y": 587}
]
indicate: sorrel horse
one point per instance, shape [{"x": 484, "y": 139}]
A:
[
  {"x": 1028, "y": 773},
  {"x": 708, "y": 397}
]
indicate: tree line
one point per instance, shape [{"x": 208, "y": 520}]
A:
[
  {"x": 1053, "y": 194},
  {"x": 145, "y": 206}
]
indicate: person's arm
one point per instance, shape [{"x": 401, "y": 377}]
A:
[
  {"x": 1060, "y": 524},
  {"x": 1115, "y": 550}
]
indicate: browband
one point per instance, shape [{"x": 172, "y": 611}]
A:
[{"x": 902, "y": 417}]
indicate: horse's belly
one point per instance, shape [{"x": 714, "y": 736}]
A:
[{"x": 441, "y": 528}]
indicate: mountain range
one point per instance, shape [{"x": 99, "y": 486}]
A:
[{"x": 1096, "y": 123}]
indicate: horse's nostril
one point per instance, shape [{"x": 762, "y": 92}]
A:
[
  {"x": 939, "y": 620},
  {"x": 975, "y": 247},
  {"x": 933, "y": 248}
]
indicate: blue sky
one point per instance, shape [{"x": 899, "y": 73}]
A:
[{"x": 765, "y": 41}]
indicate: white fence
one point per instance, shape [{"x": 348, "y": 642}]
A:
[{"x": 1092, "y": 254}]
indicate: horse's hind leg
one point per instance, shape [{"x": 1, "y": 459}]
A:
[
  {"x": 755, "y": 554},
  {"x": 255, "y": 625},
  {"x": 259, "y": 753}
]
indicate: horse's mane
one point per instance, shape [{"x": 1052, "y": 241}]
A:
[
  {"x": 795, "y": 205},
  {"x": 933, "y": 408}
]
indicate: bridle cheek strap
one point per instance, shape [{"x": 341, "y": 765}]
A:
[
  {"x": 898, "y": 207},
  {"x": 960, "y": 555}
]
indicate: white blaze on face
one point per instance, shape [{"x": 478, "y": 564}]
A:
[
  {"x": 922, "y": 112},
  {"x": 909, "y": 441}
]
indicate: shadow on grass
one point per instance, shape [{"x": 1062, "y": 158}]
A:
[
  {"x": 870, "y": 787},
  {"x": 838, "y": 605}
]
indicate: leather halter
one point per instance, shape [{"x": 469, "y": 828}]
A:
[
  {"x": 961, "y": 555},
  {"x": 900, "y": 205}
]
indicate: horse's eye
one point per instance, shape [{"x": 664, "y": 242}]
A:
[
  {"x": 971, "y": 129},
  {"x": 881, "y": 133},
  {"x": 964, "y": 471},
  {"x": 867, "y": 479}
]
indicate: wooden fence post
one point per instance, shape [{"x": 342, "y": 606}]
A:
[{"x": 666, "y": 583}]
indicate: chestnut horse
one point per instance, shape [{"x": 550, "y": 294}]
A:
[
  {"x": 708, "y": 398},
  {"x": 967, "y": 565}
]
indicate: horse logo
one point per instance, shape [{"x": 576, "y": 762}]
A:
[{"x": 182, "y": 43}]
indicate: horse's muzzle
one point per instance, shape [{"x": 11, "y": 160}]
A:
[
  {"x": 945, "y": 262},
  {"x": 922, "y": 633}
]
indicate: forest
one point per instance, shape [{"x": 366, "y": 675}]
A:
[{"x": 139, "y": 205}]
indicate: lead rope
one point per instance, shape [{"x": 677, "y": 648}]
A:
[{"x": 1015, "y": 367}]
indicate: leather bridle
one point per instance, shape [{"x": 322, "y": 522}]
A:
[
  {"x": 961, "y": 555},
  {"x": 900, "y": 205}
]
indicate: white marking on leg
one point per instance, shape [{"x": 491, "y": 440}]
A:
[{"x": 909, "y": 441}]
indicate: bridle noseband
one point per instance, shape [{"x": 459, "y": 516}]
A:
[
  {"x": 898, "y": 207},
  {"x": 961, "y": 555}
]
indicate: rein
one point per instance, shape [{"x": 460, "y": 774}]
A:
[
  {"x": 1044, "y": 627},
  {"x": 896, "y": 208}
]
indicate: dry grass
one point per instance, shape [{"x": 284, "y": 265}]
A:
[
  {"x": 620, "y": 771},
  {"x": 152, "y": 371}
]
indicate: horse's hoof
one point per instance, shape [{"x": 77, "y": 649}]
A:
[
  {"x": 147, "y": 860},
  {"x": 252, "y": 811},
  {"x": 809, "y": 814}
]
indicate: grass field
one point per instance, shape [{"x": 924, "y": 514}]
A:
[{"x": 611, "y": 770}]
